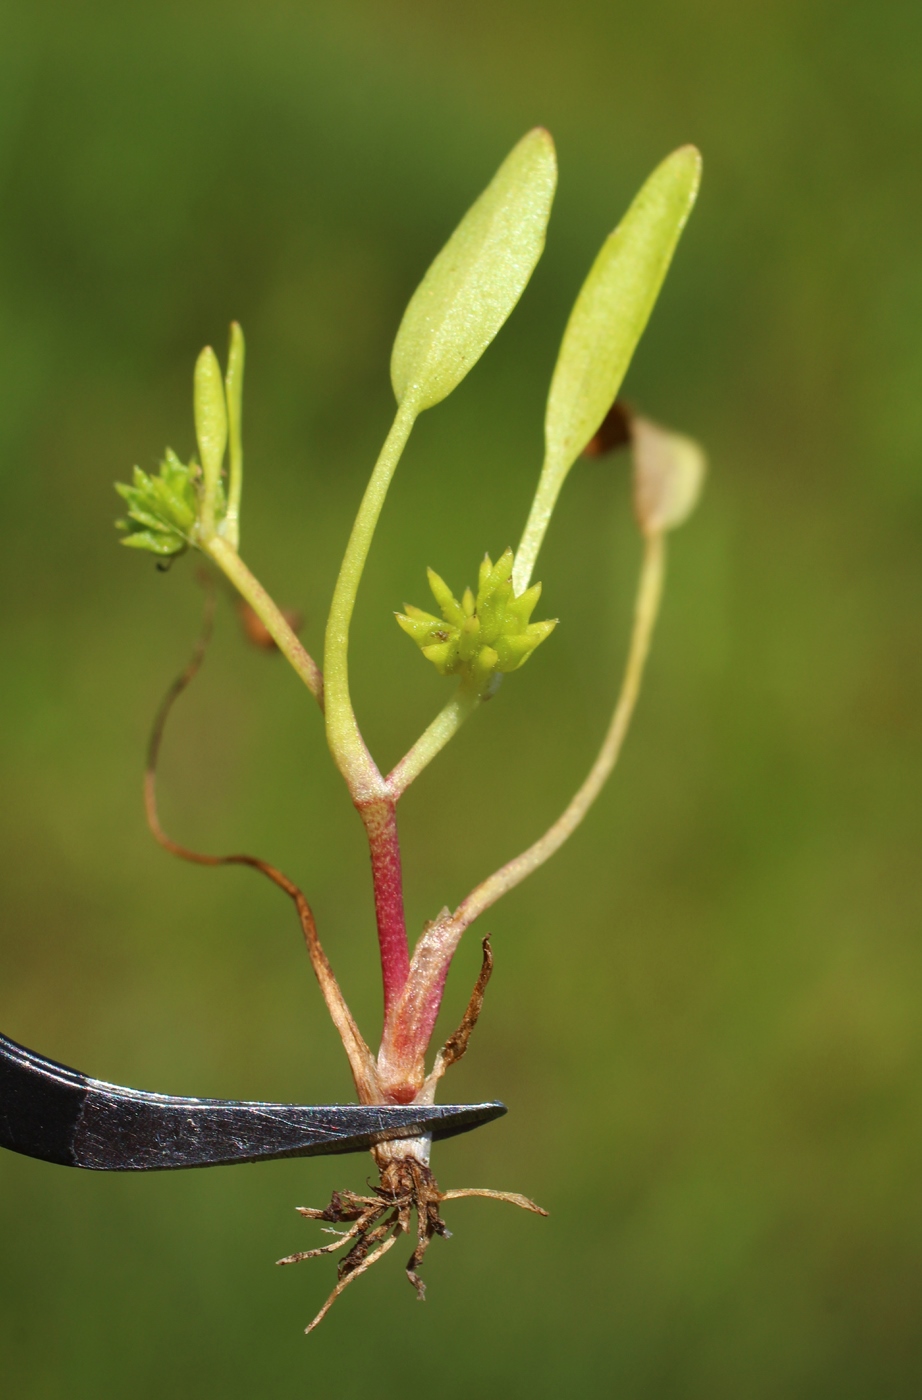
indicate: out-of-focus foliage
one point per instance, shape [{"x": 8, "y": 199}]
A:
[{"x": 705, "y": 1014}]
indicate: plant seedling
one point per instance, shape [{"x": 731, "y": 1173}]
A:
[{"x": 461, "y": 303}]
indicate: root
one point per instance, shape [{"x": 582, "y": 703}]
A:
[{"x": 376, "y": 1222}]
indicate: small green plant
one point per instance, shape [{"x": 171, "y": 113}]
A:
[{"x": 461, "y": 304}]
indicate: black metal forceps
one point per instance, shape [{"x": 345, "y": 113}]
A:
[{"x": 60, "y": 1115}]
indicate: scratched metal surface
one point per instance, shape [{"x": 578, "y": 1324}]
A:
[{"x": 59, "y": 1115}]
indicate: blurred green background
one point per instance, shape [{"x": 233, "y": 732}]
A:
[{"x": 706, "y": 1012}]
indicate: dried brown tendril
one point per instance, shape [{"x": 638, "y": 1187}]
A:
[{"x": 407, "y": 1185}]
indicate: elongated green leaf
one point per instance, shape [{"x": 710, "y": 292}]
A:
[
  {"x": 614, "y": 305},
  {"x": 606, "y": 323},
  {"x": 210, "y": 428},
  {"x": 477, "y": 278}
]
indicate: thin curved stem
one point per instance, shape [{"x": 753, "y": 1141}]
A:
[
  {"x": 377, "y": 811},
  {"x": 343, "y": 735},
  {"x": 514, "y": 871},
  {"x": 433, "y": 954},
  {"x": 233, "y": 392},
  {"x": 367, "y": 787},
  {"x": 550, "y": 483},
  {"x": 278, "y": 627},
  {"x": 361, "y": 1060},
  {"x": 430, "y": 743}
]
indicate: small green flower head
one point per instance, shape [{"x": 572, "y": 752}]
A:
[
  {"x": 478, "y": 637},
  {"x": 163, "y": 509},
  {"x": 189, "y": 505}
]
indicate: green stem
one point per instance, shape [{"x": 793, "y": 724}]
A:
[
  {"x": 362, "y": 777},
  {"x": 539, "y": 517},
  {"x": 649, "y": 592},
  {"x": 408, "y": 1029},
  {"x": 444, "y": 727},
  {"x": 230, "y": 563},
  {"x": 233, "y": 389}
]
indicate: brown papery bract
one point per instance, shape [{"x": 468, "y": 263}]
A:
[{"x": 668, "y": 475}]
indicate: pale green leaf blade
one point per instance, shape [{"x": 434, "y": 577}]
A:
[
  {"x": 607, "y": 321},
  {"x": 210, "y": 428},
  {"x": 614, "y": 305},
  {"x": 476, "y": 280}
]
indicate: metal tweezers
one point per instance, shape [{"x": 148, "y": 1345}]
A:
[{"x": 60, "y": 1115}]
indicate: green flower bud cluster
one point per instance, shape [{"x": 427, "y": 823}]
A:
[
  {"x": 163, "y": 510},
  {"x": 477, "y": 638}
]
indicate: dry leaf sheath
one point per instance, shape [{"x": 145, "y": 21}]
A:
[{"x": 475, "y": 637}]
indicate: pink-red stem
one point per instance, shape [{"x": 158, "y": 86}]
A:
[{"x": 380, "y": 819}]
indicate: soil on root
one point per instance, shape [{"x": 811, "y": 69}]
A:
[{"x": 376, "y": 1222}]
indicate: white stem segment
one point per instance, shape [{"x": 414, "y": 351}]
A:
[{"x": 418, "y": 1149}]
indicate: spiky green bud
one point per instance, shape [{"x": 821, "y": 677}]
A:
[
  {"x": 480, "y": 636},
  {"x": 163, "y": 510}
]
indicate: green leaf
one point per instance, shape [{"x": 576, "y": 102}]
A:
[
  {"x": 163, "y": 509},
  {"x": 477, "y": 278},
  {"x": 614, "y": 305},
  {"x": 210, "y": 429},
  {"x": 606, "y": 322},
  {"x": 155, "y": 542}
]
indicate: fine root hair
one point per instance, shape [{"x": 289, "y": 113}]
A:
[{"x": 376, "y": 1222}]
